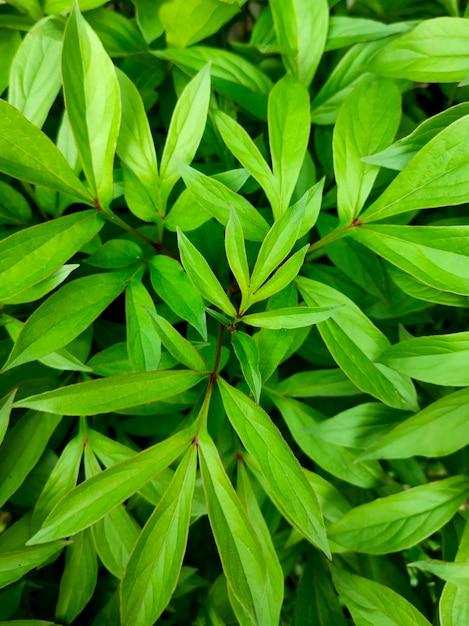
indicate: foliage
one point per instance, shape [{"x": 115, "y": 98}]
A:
[{"x": 234, "y": 284}]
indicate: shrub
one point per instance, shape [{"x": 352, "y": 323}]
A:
[{"x": 234, "y": 285}]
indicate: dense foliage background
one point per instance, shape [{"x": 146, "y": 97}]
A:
[{"x": 234, "y": 286}]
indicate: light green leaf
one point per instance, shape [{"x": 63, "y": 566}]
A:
[
  {"x": 231, "y": 74},
  {"x": 439, "y": 429},
  {"x": 79, "y": 578},
  {"x": 43, "y": 287},
  {"x": 289, "y": 127},
  {"x": 14, "y": 565},
  {"x": 351, "y": 69},
  {"x": 435, "y": 255},
  {"x": 35, "y": 72},
  {"x": 143, "y": 342},
  {"x": 435, "y": 51},
  {"x": 179, "y": 347},
  {"x": 115, "y": 254},
  {"x": 294, "y": 317},
  {"x": 317, "y": 383},
  {"x": 148, "y": 19},
  {"x": 202, "y": 276},
  {"x": 22, "y": 448},
  {"x": 277, "y": 244},
  {"x": 62, "y": 478},
  {"x": 419, "y": 291},
  {"x": 154, "y": 566},
  {"x": 275, "y": 588},
  {"x": 47, "y": 329},
  {"x": 112, "y": 394},
  {"x": 402, "y": 520},
  {"x": 187, "y": 23},
  {"x": 355, "y": 342},
  {"x": 304, "y": 424},
  {"x": 247, "y": 353},
  {"x": 240, "y": 550},
  {"x": 301, "y": 26},
  {"x": 455, "y": 573},
  {"x": 185, "y": 130},
  {"x": 32, "y": 254},
  {"x": 173, "y": 286},
  {"x": 92, "y": 98},
  {"x": 311, "y": 200},
  {"x": 28, "y": 154},
  {"x": 373, "y": 604},
  {"x": 216, "y": 199},
  {"x": 236, "y": 252},
  {"x": 248, "y": 154},
  {"x": 6, "y": 404},
  {"x": 283, "y": 477},
  {"x": 401, "y": 152},
  {"x": 439, "y": 359},
  {"x": 136, "y": 151},
  {"x": 441, "y": 170},
  {"x": 345, "y": 31},
  {"x": 367, "y": 122},
  {"x": 454, "y": 608},
  {"x": 95, "y": 497}
]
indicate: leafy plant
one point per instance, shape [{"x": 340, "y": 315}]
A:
[{"x": 234, "y": 284}]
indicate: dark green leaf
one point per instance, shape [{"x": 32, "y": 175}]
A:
[{"x": 14, "y": 565}]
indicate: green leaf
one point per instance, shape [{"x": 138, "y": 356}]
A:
[
  {"x": 92, "y": 98},
  {"x": 186, "y": 24},
  {"x": 35, "y": 72},
  {"x": 303, "y": 423},
  {"x": 148, "y": 20},
  {"x": 240, "y": 550},
  {"x": 30, "y": 435},
  {"x": 231, "y": 74},
  {"x": 10, "y": 41},
  {"x": 419, "y": 291},
  {"x": 154, "y": 566},
  {"x": 317, "y": 383},
  {"x": 355, "y": 342},
  {"x": 345, "y": 31},
  {"x": 202, "y": 276},
  {"x": 301, "y": 26},
  {"x": 116, "y": 533},
  {"x": 435, "y": 51},
  {"x": 367, "y": 122},
  {"x": 283, "y": 477},
  {"x": 421, "y": 433},
  {"x": 143, "y": 342},
  {"x": 439, "y": 359},
  {"x": 173, "y": 286},
  {"x": 47, "y": 330},
  {"x": 62, "y": 478},
  {"x": 247, "y": 353},
  {"x": 179, "y": 347},
  {"x": 294, "y": 317},
  {"x": 248, "y": 154},
  {"x": 454, "y": 608},
  {"x": 277, "y": 244},
  {"x": 371, "y": 603},
  {"x": 136, "y": 151},
  {"x": 43, "y": 287},
  {"x": 441, "y": 169},
  {"x": 79, "y": 578},
  {"x": 236, "y": 252},
  {"x": 112, "y": 394},
  {"x": 311, "y": 200},
  {"x": 14, "y": 208},
  {"x": 119, "y": 34},
  {"x": 402, "y": 520},
  {"x": 216, "y": 199},
  {"x": 281, "y": 278},
  {"x": 289, "y": 127},
  {"x": 6, "y": 404},
  {"x": 94, "y": 498},
  {"x": 28, "y": 154},
  {"x": 455, "y": 573},
  {"x": 434, "y": 255},
  {"x": 275, "y": 588},
  {"x": 402, "y": 151},
  {"x": 32, "y": 254},
  {"x": 14, "y": 565},
  {"x": 185, "y": 130}
]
